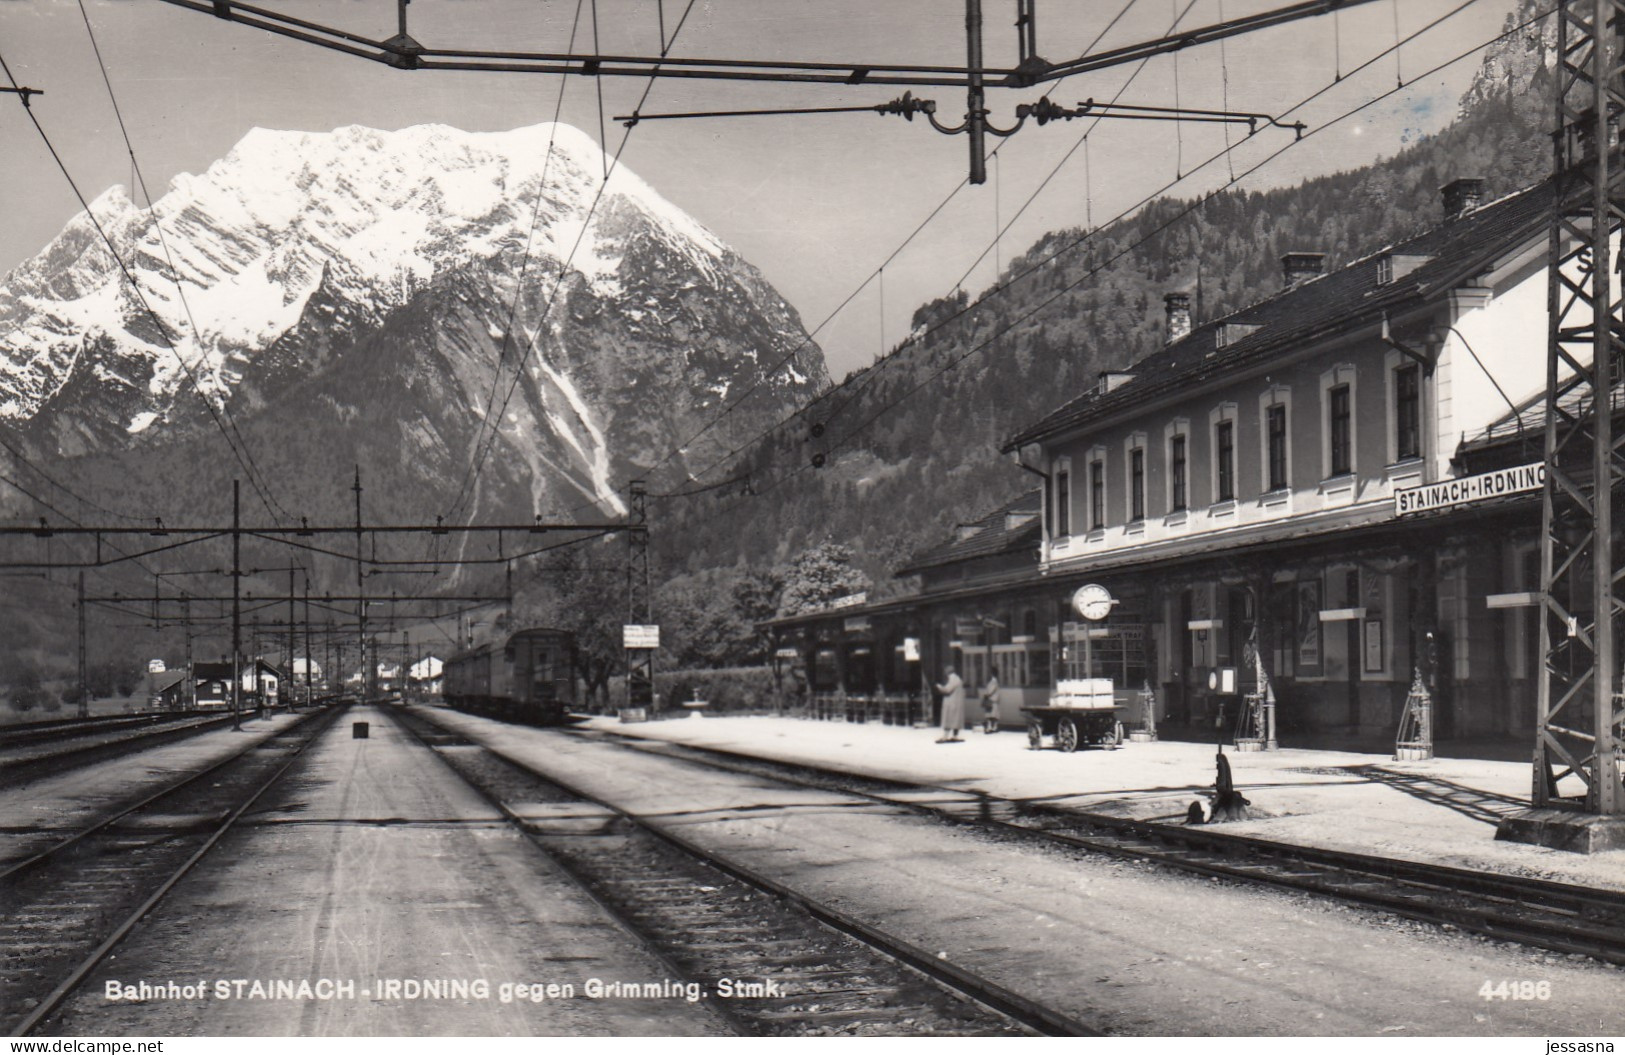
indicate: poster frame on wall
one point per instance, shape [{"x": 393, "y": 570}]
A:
[{"x": 1307, "y": 642}]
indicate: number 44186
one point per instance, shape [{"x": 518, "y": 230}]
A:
[{"x": 1516, "y": 990}]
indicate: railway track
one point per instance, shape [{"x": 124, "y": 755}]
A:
[
  {"x": 30, "y": 754},
  {"x": 59, "y": 728},
  {"x": 821, "y": 971},
  {"x": 71, "y": 903},
  {"x": 1559, "y": 917}
]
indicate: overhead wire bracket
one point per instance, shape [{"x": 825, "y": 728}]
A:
[{"x": 23, "y": 93}]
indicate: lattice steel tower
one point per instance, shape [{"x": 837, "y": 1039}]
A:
[
  {"x": 640, "y": 662},
  {"x": 1578, "y": 730}
]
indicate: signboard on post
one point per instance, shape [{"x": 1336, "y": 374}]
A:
[
  {"x": 633, "y": 636},
  {"x": 1494, "y": 484}
]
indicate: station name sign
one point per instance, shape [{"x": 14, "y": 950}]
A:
[{"x": 1494, "y": 484}]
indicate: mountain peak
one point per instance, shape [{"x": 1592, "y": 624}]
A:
[
  {"x": 375, "y": 286},
  {"x": 379, "y": 213}
]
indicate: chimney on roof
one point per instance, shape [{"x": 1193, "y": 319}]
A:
[
  {"x": 1300, "y": 267},
  {"x": 1462, "y": 196},
  {"x": 1178, "y": 308}
]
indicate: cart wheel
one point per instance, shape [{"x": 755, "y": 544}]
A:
[
  {"x": 1112, "y": 737},
  {"x": 1066, "y": 735},
  {"x": 1035, "y": 734}
]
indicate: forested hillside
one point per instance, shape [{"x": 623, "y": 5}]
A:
[{"x": 910, "y": 446}]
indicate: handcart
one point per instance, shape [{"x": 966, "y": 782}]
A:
[
  {"x": 1072, "y": 726},
  {"x": 1080, "y": 711}
]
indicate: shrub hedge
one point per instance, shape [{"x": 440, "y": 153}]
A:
[{"x": 731, "y": 690}]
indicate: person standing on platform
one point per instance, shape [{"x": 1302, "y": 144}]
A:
[
  {"x": 953, "y": 707},
  {"x": 990, "y": 704}
]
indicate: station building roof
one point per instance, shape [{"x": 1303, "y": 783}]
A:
[
  {"x": 1012, "y": 528},
  {"x": 1405, "y": 275}
]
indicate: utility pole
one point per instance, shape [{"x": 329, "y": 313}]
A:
[
  {"x": 236, "y": 604},
  {"x": 360, "y": 592},
  {"x": 288, "y": 670},
  {"x": 84, "y": 670},
  {"x": 1580, "y": 715},
  {"x": 975, "y": 98},
  {"x": 307, "y": 643},
  {"x": 191, "y": 677},
  {"x": 640, "y": 662}
]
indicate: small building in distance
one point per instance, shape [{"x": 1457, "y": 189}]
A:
[
  {"x": 169, "y": 690},
  {"x": 211, "y": 686}
]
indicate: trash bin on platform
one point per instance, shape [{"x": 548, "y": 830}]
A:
[{"x": 358, "y": 730}]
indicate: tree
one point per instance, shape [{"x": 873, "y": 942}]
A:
[
  {"x": 27, "y": 691},
  {"x": 113, "y": 677},
  {"x": 583, "y": 593},
  {"x": 818, "y": 576},
  {"x": 708, "y": 620}
]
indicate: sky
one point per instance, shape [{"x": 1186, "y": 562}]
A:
[{"x": 831, "y": 207}]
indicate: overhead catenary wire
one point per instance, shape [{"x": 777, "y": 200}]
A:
[
  {"x": 1194, "y": 206},
  {"x": 241, "y": 455},
  {"x": 768, "y": 485},
  {"x": 139, "y": 178},
  {"x": 482, "y": 454},
  {"x": 24, "y": 460},
  {"x": 853, "y": 386},
  {"x": 519, "y": 283},
  {"x": 1224, "y": 87},
  {"x": 796, "y": 349}
]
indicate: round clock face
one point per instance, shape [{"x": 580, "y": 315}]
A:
[{"x": 1093, "y": 601}]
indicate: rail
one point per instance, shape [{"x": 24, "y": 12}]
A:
[
  {"x": 72, "y": 900},
  {"x": 1543, "y": 914},
  {"x": 650, "y": 887}
]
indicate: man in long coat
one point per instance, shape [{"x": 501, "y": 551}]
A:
[{"x": 953, "y": 707}]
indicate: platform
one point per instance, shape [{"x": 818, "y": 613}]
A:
[
  {"x": 374, "y": 866},
  {"x": 1441, "y": 810}
]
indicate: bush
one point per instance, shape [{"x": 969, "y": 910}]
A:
[
  {"x": 25, "y": 698},
  {"x": 731, "y": 690}
]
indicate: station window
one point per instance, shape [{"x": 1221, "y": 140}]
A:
[
  {"x": 1038, "y": 667},
  {"x": 1176, "y": 474},
  {"x": 1275, "y": 427},
  {"x": 1342, "y": 453},
  {"x": 1063, "y": 504},
  {"x": 1097, "y": 494},
  {"x": 1408, "y": 412},
  {"x": 1136, "y": 469},
  {"x": 1224, "y": 445}
]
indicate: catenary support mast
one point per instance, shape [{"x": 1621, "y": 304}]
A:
[{"x": 1579, "y": 714}]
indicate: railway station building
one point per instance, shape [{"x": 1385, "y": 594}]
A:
[{"x": 1343, "y": 477}]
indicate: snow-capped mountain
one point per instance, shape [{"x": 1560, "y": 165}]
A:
[{"x": 387, "y": 286}]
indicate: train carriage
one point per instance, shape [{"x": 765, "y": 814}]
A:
[{"x": 529, "y": 677}]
